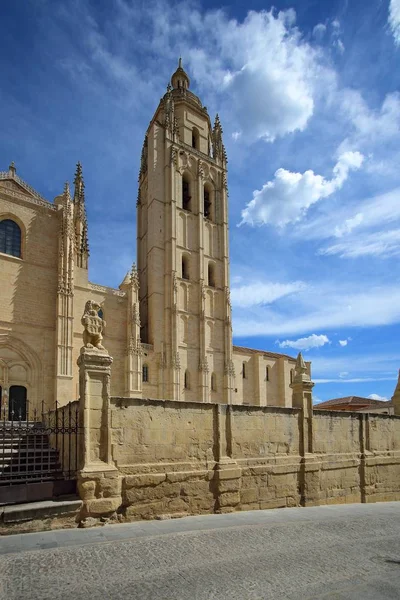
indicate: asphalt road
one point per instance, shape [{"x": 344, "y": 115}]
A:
[{"x": 328, "y": 552}]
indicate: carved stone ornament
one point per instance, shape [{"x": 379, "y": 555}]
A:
[
  {"x": 174, "y": 156},
  {"x": 94, "y": 326},
  {"x": 135, "y": 346},
  {"x": 203, "y": 365},
  {"x": 176, "y": 361},
  {"x": 229, "y": 368}
]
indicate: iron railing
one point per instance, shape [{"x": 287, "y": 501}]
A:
[{"x": 38, "y": 445}]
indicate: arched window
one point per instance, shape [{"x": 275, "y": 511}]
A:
[
  {"x": 195, "y": 138},
  {"x": 266, "y": 373},
  {"x": 186, "y": 197},
  {"x": 244, "y": 370},
  {"x": 10, "y": 238},
  {"x": 187, "y": 380},
  {"x": 213, "y": 382},
  {"x": 211, "y": 275},
  {"x": 185, "y": 267},
  {"x": 145, "y": 373}
]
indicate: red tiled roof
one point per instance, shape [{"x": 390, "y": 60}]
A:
[{"x": 354, "y": 401}]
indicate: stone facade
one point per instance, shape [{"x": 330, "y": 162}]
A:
[{"x": 168, "y": 326}]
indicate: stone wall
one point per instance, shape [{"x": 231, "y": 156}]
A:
[{"x": 179, "y": 458}]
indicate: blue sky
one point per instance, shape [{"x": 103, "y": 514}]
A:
[{"x": 308, "y": 96}]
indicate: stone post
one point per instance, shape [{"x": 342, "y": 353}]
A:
[
  {"x": 302, "y": 398},
  {"x": 396, "y": 398},
  {"x": 99, "y": 482},
  {"x": 227, "y": 472}
]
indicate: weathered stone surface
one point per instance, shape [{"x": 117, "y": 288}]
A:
[{"x": 102, "y": 506}]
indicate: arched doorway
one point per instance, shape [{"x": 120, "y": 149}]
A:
[{"x": 17, "y": 403}]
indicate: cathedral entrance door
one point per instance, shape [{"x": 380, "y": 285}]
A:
[{"x": 17, "y": 403}]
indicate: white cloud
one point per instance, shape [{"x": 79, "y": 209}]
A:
[
  {"x": 394, "y": 20},
  {"x": 377, "y": 397},
  {"x": 288, "y": 196},
  {"x": 381, "y": 244},
  {"x": 364, "y": 228},
  {"x": 349, "y": 225},
  {"x": 338, "y": 44},
  {"x": 306, "y": 343},
  {"x": 344, "y": 343},
  {"x": 330, "y": 306},
  {"x": 343, "y": 374},
  {"x": 370, "y": 125},
  {"x": 265, "y": 57},
  {"x": 259, "y": 293},
  {"x": 319, "y": 31}
]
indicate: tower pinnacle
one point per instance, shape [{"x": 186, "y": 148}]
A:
[{"x": 180, "y": 78}]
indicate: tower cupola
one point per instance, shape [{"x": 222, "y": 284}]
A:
[{"x": 180, "y": 79}]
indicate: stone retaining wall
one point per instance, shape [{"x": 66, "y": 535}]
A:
[{"x": 175, "y": 458}]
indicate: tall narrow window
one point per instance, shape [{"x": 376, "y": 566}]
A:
[
  {"x": 10, "y": 238},
  {"x": 244, "y": 370},
  {"x": 145, "y": 372},
  {"x": 291, "y": 375},
  {"x": 187, "y": 380},
  {"x": 266, "y": 373},
  {"x": 185, "y": 267},
  {"x": 186, "y": 197},
  {"x": 211, "y": 275},
  {"x": 207, "y": 203},
  {"x": 213, "y": 382},
  {"x": 195, "y": 138}
]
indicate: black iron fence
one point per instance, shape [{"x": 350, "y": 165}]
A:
[{"x": 39, "y": 446}]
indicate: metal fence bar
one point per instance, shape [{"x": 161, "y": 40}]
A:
[{"x": 38, "y": 447}]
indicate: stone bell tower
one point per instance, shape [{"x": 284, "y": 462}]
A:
[{"x": 182, "y": 249}]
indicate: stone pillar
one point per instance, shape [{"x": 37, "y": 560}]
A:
[
  {"x": 396, "y": 398},
  {"x": 98, "y": 480},
  {"x": 302, "y": 398},
  {"x": 227, "y": 472}
]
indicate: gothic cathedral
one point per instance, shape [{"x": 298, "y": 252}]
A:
[{"x": 169, "y": 325}]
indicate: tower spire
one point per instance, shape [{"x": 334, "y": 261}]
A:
[{"x": 80, "y": 219}]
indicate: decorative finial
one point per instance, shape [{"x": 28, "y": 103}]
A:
[
  {"x": 11, "y": 169},
  {"x": 79, "y": 191},
  {"x": 180, "y": 63},
  {"x": 300, "y": 364}
]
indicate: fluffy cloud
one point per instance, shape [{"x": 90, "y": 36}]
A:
[
  {"x": 343, "y": 343},
  {"x": 259, "y": 293},
  {"x": 264, "y": 56},
  {"x": 394, "y": 20},
  {"x": 288, "y": 196},
  {"x": 377, "y": 397},
  {"x": 306, "y": 343}
]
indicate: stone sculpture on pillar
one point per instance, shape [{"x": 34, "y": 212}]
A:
[
  {"x": 94, "y": 326},
  {"x": 99, "y": 481}
]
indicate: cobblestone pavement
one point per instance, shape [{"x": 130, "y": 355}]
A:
[{"x": 330, "y": 552}]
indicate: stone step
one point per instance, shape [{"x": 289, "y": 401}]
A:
[{"x": 40, "y": 510}]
